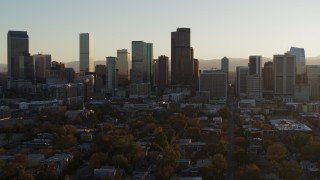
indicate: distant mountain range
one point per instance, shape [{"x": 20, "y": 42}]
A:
[{"x": 204, "y": 64}]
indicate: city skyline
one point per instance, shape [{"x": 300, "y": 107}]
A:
[{"x": 232, "y": 29}]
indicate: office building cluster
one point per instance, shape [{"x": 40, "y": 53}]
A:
[
  {"x": 286, "y": 78},
  {"x": 137, "y": 74}
]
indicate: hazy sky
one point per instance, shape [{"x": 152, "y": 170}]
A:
[{"x": 232, "y": 28}]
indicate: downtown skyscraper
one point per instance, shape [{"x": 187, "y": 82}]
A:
[
  {"x": 112, "y": 73},
  {"x": 17, "y": 45},
  {"x": 86, "y": 63},
  {"x": 182, "y": 62},
  {"x": 142, "y": 58},
  {"x": 284, "y": 71},
  {"x": 124, "y": 65}
]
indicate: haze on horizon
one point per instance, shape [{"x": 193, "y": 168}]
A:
[{"x": 218, "y": 28}]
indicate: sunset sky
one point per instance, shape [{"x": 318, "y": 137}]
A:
[{"x": 232, "y": 28}]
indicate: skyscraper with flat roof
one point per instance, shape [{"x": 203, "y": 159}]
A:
[
  {"x": 225, "y": 66},
  {"x": 17, "y": 45},
  {"x": 182, "y": 62},
  {"x": 215, "y": 82},
  {"x": 267, "y": 80},
  {"x": 42, "y": 67},
  {"x": 112, "y": 76},
  {"x": 284, "y": 71},
  {"x": 255, "y": 65},
  {"x": 124, "y": 65},
  {"x": 163, "y": 72},
  {"x": 86, "y": 63},
  {"x": 241, "y": 80},
  {"x": 313, "y": 74},
  {"x": 26, "y": 68},
  {"x": 142, "y": 60},
  {"x": 254, "y": 79}
]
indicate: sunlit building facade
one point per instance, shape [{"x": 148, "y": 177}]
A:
[{"x": 86, "y": 53}]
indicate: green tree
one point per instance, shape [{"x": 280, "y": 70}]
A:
[
  {"x": 97, "y": 160},
  {"x": 241, "y": 142},
  {"x": 290, "y": 170},
  {"x": 103, "y": 141},
  {"x": 161, "y": 139},
  {"x": 67, "y": 142},
  {"x": 221, "y": 146},
  {"x": 224, "y": 112},
  {"x": 311, "y": 151},
  {"x": 276, "y": 153},
  {"x": 120, "y": 161},
  {"x": 248, "y": 171},
  {"x": 219, "y": 164},
  {"x": 192, "y": 133},
  {"x": 299, "y": 140},
  {"x": 22, "y": 159},
  {"x": 239, "y": 155}
]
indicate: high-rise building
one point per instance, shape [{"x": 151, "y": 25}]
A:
[
  {"x": 225, "y": 66},
  {"x": 112, "y": 76},
  {"x": 101, "y": 77},
  {"x": 254, "y": 79},
  {"x": 155, "y": 67},
  {"x": 17, "y": 45},
  {"x": 101, "y": 71},
  {"x": 241, "y": 80},
  {"x": 42, "y": 67},
  {"x": 255, "y": 65},
  {"x": 86, "y": 53},
  {"x": 254, "y": 86},
  {"x": 69, "y": 75},
  {"x": 124, "y": 64},
  {"x": 284, "y": 71},
  {"x": 196, "y": 73},
  {"x": 142, "y": 60},
  {"x": 26, "y": 68},
  {"x": 301, "y": 76},
  {"x": 163, "y": 72},
  {"x": 214, "y": 82},
  {"x": 182, "y": 62},
  {"x": 300, "y": 59},
  {"x": 313, "y": 74},
  {"x": 267, "y": 78}
]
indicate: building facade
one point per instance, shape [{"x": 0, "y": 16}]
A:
[
  {"x": 17, "y": 45},
  {"x": 284, "y": 71},
  {"x": 124, "y": 65},
  {"x": 254, "y": 86},
  {"x": 313, "y": 74},
  {"x": 300, "y": 59},
  {"x": 241, "y": 80},
  {"x": 255, "y": 65},
  {"x": 142, "y": 58},
  {"x": 182, "y": 62},
  {"x": 267, "y": 78},
  {"x": 86, "y": 63},
  {"x": 163, "y": 72},
  {"x": 214, "y": 82},
  {"x": 112, "y": 73},
  {"x": 42, "y": 67},
  {"x": 225, "y": 66},
  {"x": 27, "y": 68}
]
